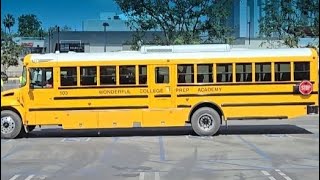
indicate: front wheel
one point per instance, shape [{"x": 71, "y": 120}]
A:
[
  {"x": 11, "y": 124},
  {"x": 206, "y": 121}
]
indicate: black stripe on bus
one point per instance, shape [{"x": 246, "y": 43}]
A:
[
  {"x": 268, "y": 104},
  {"x": 183, "y": 106},
  {"x": 88, "y": 108},
  {"x": 241, "y": 83},
  {"x": 162, "y": 95},
  {"x": 99, "y": 87},
  {"x": 99, "y": 97},
  {"x": 242, "y": 94},
  {"x": 257, "y": 117}
]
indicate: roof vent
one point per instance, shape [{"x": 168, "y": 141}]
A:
[{"x": 186, "y": 48}]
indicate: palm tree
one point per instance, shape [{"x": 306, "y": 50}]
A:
[{"x": 8, "y": 21}]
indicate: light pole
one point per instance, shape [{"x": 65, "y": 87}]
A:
[
  {"x": 59, "y": 39},
  {"x": 105, "y": 35},
  {"x": 49, "y": 37},
  {"x": 249, "y": 24}
]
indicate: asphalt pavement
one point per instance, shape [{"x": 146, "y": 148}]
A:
[{"x": 266, "y": 150}]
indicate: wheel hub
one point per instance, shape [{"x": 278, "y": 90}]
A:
[
  {"x": 7, "y": 125},
  {"x": 206, "y": 122}
]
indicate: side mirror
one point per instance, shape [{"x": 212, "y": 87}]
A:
[{"x": 31, "y": 86}]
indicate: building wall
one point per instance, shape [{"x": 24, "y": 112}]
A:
[
  {"x": 254, "y": 16},
  {"x": 244, "y": 11},
  {"x": 97, "y": 48},
  {"x": 243, "y": 21}
]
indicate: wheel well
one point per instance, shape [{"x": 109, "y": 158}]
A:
[
  {"x": 11, "y": 109},
  {"x": 206, "y": 104}
]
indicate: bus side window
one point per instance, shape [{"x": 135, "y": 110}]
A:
[
  {"x": 301, "y": 71},
  {"x": 127, "y": 74},
  {"x": 143, "y": 77},
  {"x": 162, "y": 75},
  {"x": 204, "y": 74},
  {"x": 243, "y": 72},
  {"x": 185, "y": 73},
  {"x": 263, "y": 72},
  {"x": 108, "y": 75},
  {"x": 224, "y": 72},
  {"x": 282, "y": 71},
  {"x": 88, "y": 76},
  {"x": 68, "y": 76}
]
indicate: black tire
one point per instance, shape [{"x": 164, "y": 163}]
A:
[
  {"x": 16, "y": 124},
  {"x": 208, "y": 113}
]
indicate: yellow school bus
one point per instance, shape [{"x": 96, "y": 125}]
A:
[{"x": 161, "y": 86}]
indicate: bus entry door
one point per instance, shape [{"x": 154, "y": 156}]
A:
[{"x": 161, "y": 101}]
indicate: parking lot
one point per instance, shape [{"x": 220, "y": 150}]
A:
[{"x": 274, "y": 149}]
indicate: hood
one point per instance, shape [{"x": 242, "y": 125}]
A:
[
  {"x": 10, "y": 92},
  {"x": 10, "y": 97}
]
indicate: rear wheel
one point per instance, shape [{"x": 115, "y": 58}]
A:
[
  {"x": 205, "y": 121},
  {"x": 11, "y": 124}
]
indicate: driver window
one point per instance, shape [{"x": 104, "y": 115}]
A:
[{"x": 41, "y": 78}]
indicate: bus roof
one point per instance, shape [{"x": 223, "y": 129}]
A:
[{"x": 136, "y": 55}]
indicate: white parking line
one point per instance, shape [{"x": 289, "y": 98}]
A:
[
  {"x": 268, "y": 175},
  {"x": 29, "y": 177},
  {"x": 283, "y": 174},
  {"x": 272, "y": 178},
  {"x": 14, "y": 177},
  {"x": 265, "y": 173},
  {"x": 141, "y": 176}
]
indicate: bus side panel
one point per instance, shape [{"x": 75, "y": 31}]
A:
[
  {"x": 80, "y": 119},
  {"x": 165, "y": 117},
  {"x": 156, "y": 117},
  {"x": 47, "y": 118},
  {"x": 30, "y": 118},
  {"x": 181, "y": 116},
  {"x": 276, "y": 112},
  {"x": 119, "y": 118}
]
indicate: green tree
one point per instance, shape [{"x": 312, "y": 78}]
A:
[
  {"x": 181, "y": 21},
  {"x": 309, "y": 16},
  {"x": 55, "y": 28},
  {"x": 8, "y": 22},
  {"x": 10, "y": 53},
  {"x": 287, "y": 21},
  {"x": 216, "y": 25},
  {"x": 29, "y": 25},
  {"x": 3, "y": 33}
]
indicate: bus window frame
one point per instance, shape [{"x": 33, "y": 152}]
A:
[{"x": 156, "y": 74}]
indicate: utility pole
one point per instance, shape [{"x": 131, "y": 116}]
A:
[
  {"x": 58, "y": 39},
  {"x": 105, "y": 35},
  {"x": 49, "y": 37}
]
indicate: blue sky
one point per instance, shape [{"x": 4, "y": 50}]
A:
[{"x": 58, "y": 12}]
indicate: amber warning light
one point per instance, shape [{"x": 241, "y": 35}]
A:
[{"x": 305, "y": 87}]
